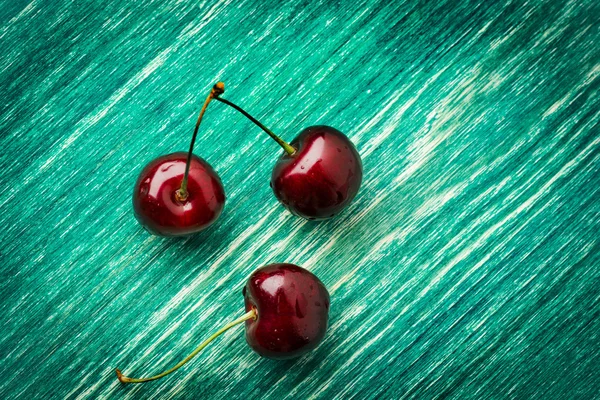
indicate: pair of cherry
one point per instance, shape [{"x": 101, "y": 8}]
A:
[
  {"x": 316, "y": 177},
  {"x": 318, "y": 174}
]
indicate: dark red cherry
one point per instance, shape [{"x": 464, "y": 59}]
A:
[
  {"x": 318, "y": 175},
  {"x": 159, "y": 209},
  {"x": 322, "y": 177},
  {"x": 293, "y": 308},
  {"x": 179, "y": 194},
  {"x": 287, "y": 310}
]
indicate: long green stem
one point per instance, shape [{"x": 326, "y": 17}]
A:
[
  {"x": 286, "y": 146},
  {"x": 252, "y": 314},
  {"x": 182, "y": 193}
]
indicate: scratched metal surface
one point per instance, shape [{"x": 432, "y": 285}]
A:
[{"x": 467, "y": 267}]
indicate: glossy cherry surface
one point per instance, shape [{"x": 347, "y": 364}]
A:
[
  {"x": 322, "y": 177},
  {"x": 293, "y": 310},
  {"x": 157, "y": 207}
]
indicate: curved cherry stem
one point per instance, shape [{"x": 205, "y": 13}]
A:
[
  {"x": 252, "y": 314},
  {"x": 286, "y": 146},
  {"x": 182, "y": 193}
]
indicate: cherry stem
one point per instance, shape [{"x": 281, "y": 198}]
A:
[
  {"x": 286, "y": 146},
  {"x": 182, "y": 193},
  {"x": 252, "y": 314}
]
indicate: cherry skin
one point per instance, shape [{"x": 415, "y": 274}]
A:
[
  {"x": 292, "y": 306},
  {"x": 322, "y": 177},
  {"x": 157, "y": 206}
]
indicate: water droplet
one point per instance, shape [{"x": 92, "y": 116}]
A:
[{"x": 302, "y": 167}]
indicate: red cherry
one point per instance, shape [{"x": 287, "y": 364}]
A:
[
  {"x": 318, "y": 175},
  {"x": 155, "y": 198},
  {"x": 322, "y": 177},
  {"x": 293, "y": 308},
  {"x": 179, "y": 194},
  {"x": 287, "y": 314}
]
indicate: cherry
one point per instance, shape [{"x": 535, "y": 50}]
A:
[
  {"x": 293, "y": 308},
  {"x": 322, "y": 178},
  {"x": 179, "y": 194},
  {"x": 318, "y": 174},
  {"x": 286, "y": 315},
  {"x": 157, "y": 206}
]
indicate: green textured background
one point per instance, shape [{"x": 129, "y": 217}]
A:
[{"x": 467, "y": 267}]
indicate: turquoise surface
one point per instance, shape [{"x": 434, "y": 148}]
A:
[{"x": 468, "y": 266}]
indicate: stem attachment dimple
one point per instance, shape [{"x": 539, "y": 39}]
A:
[
  {"x": 182, "y": 193},
  {"x": 252, "y": 314},
  {"x": 286, "y": 146}
]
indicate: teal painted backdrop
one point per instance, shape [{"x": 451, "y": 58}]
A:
[{"x": 467, "y": 267}]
